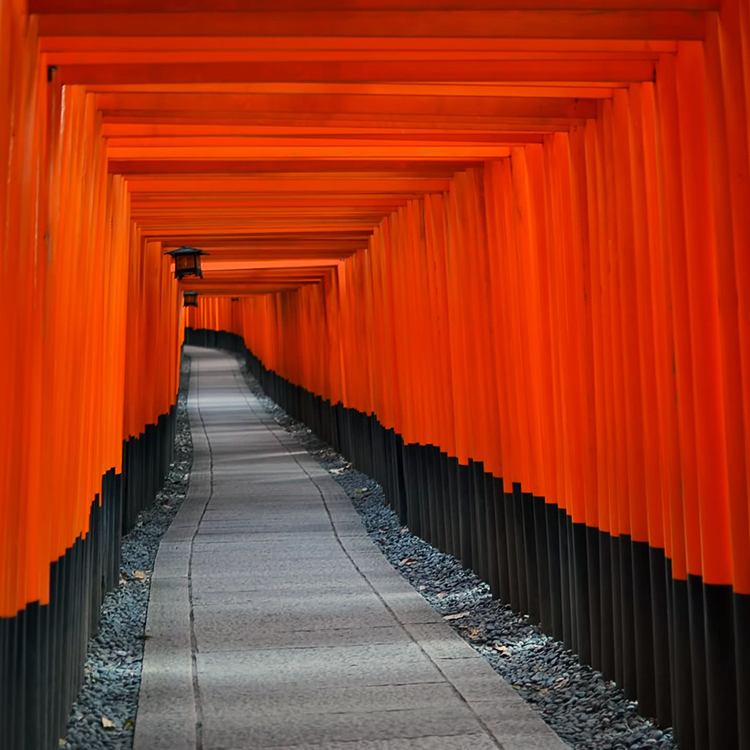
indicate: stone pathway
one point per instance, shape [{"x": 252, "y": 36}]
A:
[{"x": 275, "y": 622}]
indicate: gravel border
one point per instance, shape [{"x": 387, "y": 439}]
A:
[
  {"x": 585, "y": 710},
  {"x": 112, "y": 673}
]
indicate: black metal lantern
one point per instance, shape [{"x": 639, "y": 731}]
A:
[
  {"x": 190, "y": 299},
  {"x": 187, "y": 261}
]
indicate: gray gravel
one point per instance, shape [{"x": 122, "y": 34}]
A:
[
  {"x": 113, "y": 668},
  {"x": 587, "y": 711}
]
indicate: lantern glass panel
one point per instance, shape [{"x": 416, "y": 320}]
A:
[{"x": 186, "y": 262}]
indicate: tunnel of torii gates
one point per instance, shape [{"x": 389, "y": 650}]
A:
[{"x": 497, "y": 252}]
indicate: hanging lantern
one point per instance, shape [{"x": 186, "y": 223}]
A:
[
  {"x": 187, "y": 261},
  {"x": 190, "y": 299}
]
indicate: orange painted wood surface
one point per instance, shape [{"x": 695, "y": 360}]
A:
[{"x": 518, "y": 232}]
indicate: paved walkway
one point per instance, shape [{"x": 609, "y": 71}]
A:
[{"x": 275, "y": 622}]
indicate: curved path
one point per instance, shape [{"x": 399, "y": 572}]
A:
[{"x": 275, "y": 622}]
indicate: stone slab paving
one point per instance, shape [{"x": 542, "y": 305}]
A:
[{"x": 275, "y": 622}]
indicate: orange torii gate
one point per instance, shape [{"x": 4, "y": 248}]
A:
[{"x": 507, "y": 244}]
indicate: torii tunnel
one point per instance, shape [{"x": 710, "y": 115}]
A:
[{"x": 497, "y": 252}]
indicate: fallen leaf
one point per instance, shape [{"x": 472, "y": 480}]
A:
[
  {"x": 409, "y": 561},
  {"x": 504, "y": 650},
  {"x": 442, "y": 595},
  {"x": 337, "y": 471},
  {"x": 422, "y": 588},
  {"x": 139, "y": 574},
  {"x": 455, "y": 617},
  {"x": 473, "y": 632},
  {"x": 107, "y": 724},
  {"x": 129, "y": 724},
  {"x": 362, "y": 491}
]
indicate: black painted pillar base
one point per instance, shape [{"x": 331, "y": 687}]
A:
[{"x": 43, "y": 647}]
